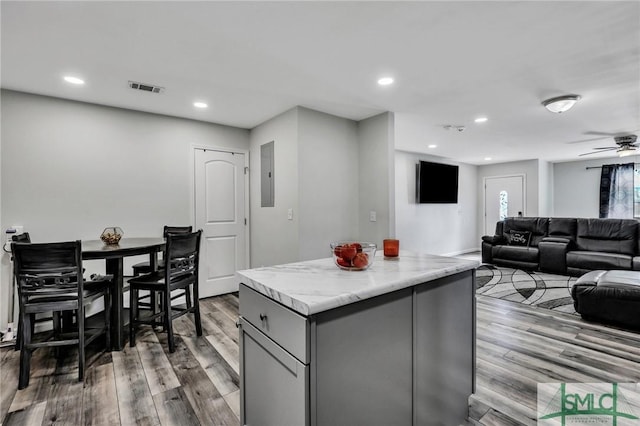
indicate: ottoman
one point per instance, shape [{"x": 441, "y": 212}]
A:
[{"x": 609, "y": 296}]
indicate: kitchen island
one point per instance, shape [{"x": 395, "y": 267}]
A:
[{"x": 392, "y": 345}]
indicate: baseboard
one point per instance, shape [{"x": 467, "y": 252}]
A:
[{"x": 465, "y": 251}]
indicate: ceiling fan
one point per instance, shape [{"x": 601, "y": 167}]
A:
[{"x": 626, "y": 146}]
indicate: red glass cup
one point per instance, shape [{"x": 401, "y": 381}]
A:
[{"x": 391, "y": 247}]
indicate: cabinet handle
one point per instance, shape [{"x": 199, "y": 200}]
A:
[{"x": 263, "y": 317}]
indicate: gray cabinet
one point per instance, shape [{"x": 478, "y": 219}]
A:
[
  {"x": 445, "y": 349},
  {"x": 406, "y": 357},
  {"x": 274, "y": 383},
  {"x": 362, "y": 363}
]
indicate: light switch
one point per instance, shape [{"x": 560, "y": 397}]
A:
[
  {"x": 372, "y": 216},
  {"x": 290, "y": 214}
]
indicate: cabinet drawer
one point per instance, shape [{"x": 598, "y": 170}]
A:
[{"x": 285, "y": 327}]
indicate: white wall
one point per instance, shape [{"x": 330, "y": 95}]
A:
[
  {"x": 545, "y": 188},
  {"x": 435, "y": 228},
  {"x": 274, "y": 238},
  {"x": 70, "y": 169},
  {"x": 577, "y": 190},
  {"x": 328, "y": 181},
  {"x": 376, "y": 191}
]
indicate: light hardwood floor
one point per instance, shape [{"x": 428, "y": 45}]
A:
[{"x": 517, "y": 347}]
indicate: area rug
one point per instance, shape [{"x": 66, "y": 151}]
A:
[{"x": 537, "y": 289}]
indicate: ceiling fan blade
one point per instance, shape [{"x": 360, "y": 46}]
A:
[
  {"x": 606, "y": 148},
  {"x": 594, "y": 133},
  {"x": 591, "y": 132},
  {"x": 586, "y": 140},
  {"x": 598, "y": 152}
]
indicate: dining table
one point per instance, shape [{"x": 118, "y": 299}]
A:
[{"x": 114, "y": 255}]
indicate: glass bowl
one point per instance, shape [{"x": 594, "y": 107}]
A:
[
  {"x": 111, "y": 235},
  {"x": 353, "y": 255}
]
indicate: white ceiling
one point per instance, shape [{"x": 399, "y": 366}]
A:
[{"x": 452, "y": 62}]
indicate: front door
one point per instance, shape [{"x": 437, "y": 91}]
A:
[
  {"x": 503, "y": 197},
  {"x": 220, "y": 211}
]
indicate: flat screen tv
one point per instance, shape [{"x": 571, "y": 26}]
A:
[{"x": 436, "y": 183}]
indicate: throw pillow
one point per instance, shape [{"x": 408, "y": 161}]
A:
[{"x": 519, "y": 238}]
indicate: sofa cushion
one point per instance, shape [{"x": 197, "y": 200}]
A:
[
  {"x": 562, "y": 227},
  {"x": 607, "y": 235},
  {"x": 590, "y": 278},
  {"x": 515, "y": 253},
  {"x": 620, "y": 279},
  {"x": 538, "y": 227},
  {"x": 598, "y": 260},
  {"x": 519, "y": 238}
]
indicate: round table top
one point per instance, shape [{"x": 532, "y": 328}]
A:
[{"x": 97, "y": 249}]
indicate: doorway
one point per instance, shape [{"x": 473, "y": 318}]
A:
[
  {"x": 504, "y": 196},
  {"x": 221, "y": 211}
]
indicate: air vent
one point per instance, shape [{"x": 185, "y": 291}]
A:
[{"x": 145, "y": 87}]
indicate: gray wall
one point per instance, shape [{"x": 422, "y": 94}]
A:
[
  {"x": 376, "y": 191},
  {"x": 545, "y": 188},
  {"x": 274, "y": 238},
  {"x": 70, "y": 169},
  {"x": 577, "y": 190},
  {"x": 435, "y": 228},
  {"x": 328, "y": 171},
  {"x": 331, "y": 171}
]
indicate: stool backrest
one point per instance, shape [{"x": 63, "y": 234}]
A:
[
  {"x": 21, "y": 238},
  {"x": 48, "y": 268},
  {"x": 182, "y": 256},
  {"x": 176, "y": 230}
]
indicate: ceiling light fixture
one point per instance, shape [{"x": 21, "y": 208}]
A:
[
  {"x": 432, "y": 146},
  {"x": 487, "y": 158},
  {"x": 73, "y": 80},
  {"x": 200, "y": 105},
  {"x": 481, "y": 120},
  {"x": 385, "y": 81},
  {"x": 561, "y": 103},
  {"x": 626, "y": 151}
]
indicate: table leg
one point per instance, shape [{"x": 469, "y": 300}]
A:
[
  {"x": 115, "y": 267},
  {"x": 153, "y": 296}
]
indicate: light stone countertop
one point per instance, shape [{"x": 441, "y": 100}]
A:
[{"x": 315, "y": 286}]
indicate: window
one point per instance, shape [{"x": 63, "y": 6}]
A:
[{"x": 504, "y": 205}]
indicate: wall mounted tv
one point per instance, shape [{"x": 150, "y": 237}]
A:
[{"x": 436, "y": 183}]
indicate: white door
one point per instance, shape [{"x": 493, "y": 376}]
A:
[
  {"x": 220, "y": 211},
  {"x": 503, "y": 197}
]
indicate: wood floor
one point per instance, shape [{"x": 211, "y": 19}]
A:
[{"x": 517, "y": 347}]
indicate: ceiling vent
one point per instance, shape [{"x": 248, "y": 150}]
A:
[{"x": 145, "y": 87}]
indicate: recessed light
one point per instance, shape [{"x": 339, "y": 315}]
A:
[
  {"x": 432, "y": 146},
  {"x": 487, "y": 158},
  {"x": 73, "y": 80},
  {"x": 385, "y": 81},
  {"x": 200, "y": 105},
  {"x": 481, "y": 119}
]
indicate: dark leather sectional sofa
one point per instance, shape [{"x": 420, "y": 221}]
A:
[
  {"x": 566, "y": 246},
  {"x": 605, "y": 253}
]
